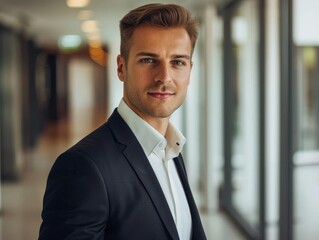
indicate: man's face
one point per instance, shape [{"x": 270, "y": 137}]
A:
[{"x": 156, "y": 74}]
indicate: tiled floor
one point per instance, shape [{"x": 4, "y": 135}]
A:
[{"x": 22, "y": 200}]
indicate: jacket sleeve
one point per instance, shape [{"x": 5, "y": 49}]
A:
[{"x": 75, "y": 204}]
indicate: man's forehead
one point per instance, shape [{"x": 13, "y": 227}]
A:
[{"x": 148, "y": 40}]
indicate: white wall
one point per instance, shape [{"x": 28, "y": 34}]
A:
[
  {"x": 81, "y": 96},
  {"x": 305, "y": 22},
  {"x": 115, "y": 86}
]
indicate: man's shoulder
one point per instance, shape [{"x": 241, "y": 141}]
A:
[
  {"x": 105, "y": 143},
  {"x": 99, "y": 140},
  {"x": 101, "y": 136}
]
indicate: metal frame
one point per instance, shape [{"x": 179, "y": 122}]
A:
[
  {"x": 1, "y": 114},
  {"x": 286, "y": 122},
  {"x": 226, "y": 191},
  {"x": 317, "y": 94},
  {"x": 317, "y": 99},
  {"x": 262, "y": 123}
]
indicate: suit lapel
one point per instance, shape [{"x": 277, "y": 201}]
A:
[
  {"x": 135, "y": 155},
  {"x": 198, "y": 231}
]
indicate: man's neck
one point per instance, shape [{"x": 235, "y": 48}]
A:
[{"x": 159, "y": 124}]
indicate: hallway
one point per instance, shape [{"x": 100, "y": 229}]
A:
[{"x": 22, "y": 200}]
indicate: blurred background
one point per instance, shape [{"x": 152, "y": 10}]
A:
[{"x": 251, "y": 117}]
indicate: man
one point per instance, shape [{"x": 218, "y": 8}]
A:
[{"x": 127, "y": 180}]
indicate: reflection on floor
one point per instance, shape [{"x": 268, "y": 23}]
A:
[{"x": 22, "y": 200}]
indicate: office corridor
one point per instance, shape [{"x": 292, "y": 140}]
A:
[{"x": 22, "y": 200}]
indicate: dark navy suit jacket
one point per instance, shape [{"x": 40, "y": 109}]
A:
[{"x": 105, "y": 188}]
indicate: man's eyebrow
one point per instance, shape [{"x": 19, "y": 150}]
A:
[
  {"x": 181, "y": 56},
  {"x": 154, "y": 55},
  {"x": 147, "y": 54}
]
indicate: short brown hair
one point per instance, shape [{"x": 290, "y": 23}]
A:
[{"x": 156, "y": 14}]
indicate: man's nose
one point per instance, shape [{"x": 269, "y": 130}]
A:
[{"x": 163, "y": 73}]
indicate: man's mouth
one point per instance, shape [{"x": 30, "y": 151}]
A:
[{"x": 161, "y": 95}]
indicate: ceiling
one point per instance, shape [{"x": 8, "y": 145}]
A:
[{"x": 46, "y": 20}]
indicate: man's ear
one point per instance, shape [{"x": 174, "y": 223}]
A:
[{"x": 121, "y": 67}]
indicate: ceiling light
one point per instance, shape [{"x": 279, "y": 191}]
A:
[
  {"x": 77, "y": 3},
  {"x": 90, "y": 26},
  {"x": 70, "y": 42},
  {"x": 95, "y": 43}
]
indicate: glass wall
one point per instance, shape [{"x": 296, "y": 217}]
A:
[
  {"x": 307, "y": 104},
  {"x": 10, "y": 128},
  {"x": 306, "y": 101},
  {"x": 302, "y": 154},
  {"x": 245, "y": 109},
  {"x": 243, "y": 187}
]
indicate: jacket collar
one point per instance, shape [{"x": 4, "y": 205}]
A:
[{"x": 135, "y": 155}]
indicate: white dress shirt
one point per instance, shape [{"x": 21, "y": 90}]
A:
[{"x": 160, "y": 152}]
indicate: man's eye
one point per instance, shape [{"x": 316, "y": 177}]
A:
[
  {"x": 178, "y": 63},
  {"x": 147, "y": 60}
]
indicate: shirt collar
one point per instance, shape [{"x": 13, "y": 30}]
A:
[
  {"x": 148, "y": 137},
  {"x": 175, "y": 142}
]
